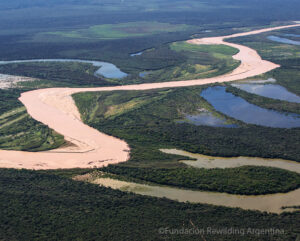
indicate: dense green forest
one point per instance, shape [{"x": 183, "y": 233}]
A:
[
  {"x": 247, "y": 180},
  {"x": 139, "y": 118},
  {"x": 49, "y": 205},
  {"x": 58, "y": 74},
  {"x": 147, "y": 120},
  {"x": 40, "y": 206},
  {"x": 175, "y": 61},
  {"x": 24, "y": 25}
]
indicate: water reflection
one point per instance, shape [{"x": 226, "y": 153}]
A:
[
  {"x": 136, "y": 54},
  {"x": 270, "y": 91},
  {"x": 240, "y": 109},
  {"x": 208, "y": 119},
  {"x": 283, "y": 40},
  {"x": 292, "y": 35}
]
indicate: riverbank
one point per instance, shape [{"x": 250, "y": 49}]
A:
[{"x": 56, "y": 108}]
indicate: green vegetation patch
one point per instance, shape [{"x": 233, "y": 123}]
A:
[
  {"x": 287, "y": 75},
  {"x": 56, "y": 74},
  {"x": 248, "y": 180},
  {"x": 18, "y": 131},
  {"x": 194, "y": 62},
  {"x": 148, "y": 121},
  {"x": 122, "y": 30},
  {"x": 24, "y": 133},
  {"x": 108, "y": 105},
  {"x": 206, "y": 48},
  {"x": 287, "y": 55},
  {"x": 155, "y": 122},
  {"x": 163, "y": 64},
  {"x": 40, "y": 206}
]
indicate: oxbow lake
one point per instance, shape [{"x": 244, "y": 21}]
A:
[
  {"x": 238, "y": 108},
  {"x": 269, "y": 90}
]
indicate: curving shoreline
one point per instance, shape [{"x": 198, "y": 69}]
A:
[
  {"x": 105, "y": 68},
  {"x": 55, "y": 107},
  {"x": 210, "y": 162},
  {"x": 271, "y": 203}
]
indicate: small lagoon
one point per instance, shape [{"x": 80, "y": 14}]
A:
[
  {"x": 137, "y": 54},
  {"x": 269, "y": 90},
  {"x": 144, "y": 74},
  {"x": 206, "y": 118},
  {"x": 292, "y": 35},
  {"x": 262, "y": 81},
  {"x": 238, "y": 108},
  {"x": 108, "y": 70},
  {"x": 283, "y": 40}
]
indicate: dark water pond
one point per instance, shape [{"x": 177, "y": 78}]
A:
[
  {"x": 269, "y": 90},
  {"x": 238, "y": 108}
]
